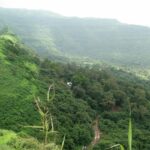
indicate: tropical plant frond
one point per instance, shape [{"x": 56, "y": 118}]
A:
[
  {"x": 117, "y": 145},
  {"x": 36, "y": 127}
]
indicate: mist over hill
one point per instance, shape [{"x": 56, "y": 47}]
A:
[{"x": 99, "y": 39}]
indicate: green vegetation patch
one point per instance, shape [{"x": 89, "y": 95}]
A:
[
  {"x": 9, "y": 37},
  {"x": 6, "y": 136},
  {"x": 93, "y": 92},
  {"x": 31, "y": 66}
]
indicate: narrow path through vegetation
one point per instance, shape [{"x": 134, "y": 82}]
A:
[{"x": 96, "y": 133}]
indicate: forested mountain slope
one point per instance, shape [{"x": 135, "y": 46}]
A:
[
  {"x": 102, "y": 39},
  {"x": 95, "y": 92},
  {"x": 22, "y": 78}
]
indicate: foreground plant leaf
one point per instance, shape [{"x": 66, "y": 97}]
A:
[{"x": 117, "y": 145}]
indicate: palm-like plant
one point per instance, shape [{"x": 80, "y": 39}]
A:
[{"x": 47, "y": 126}]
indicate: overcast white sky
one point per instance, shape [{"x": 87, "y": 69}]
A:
[{"x": 128, "y": 11}]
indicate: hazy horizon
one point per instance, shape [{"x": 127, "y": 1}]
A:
[{"x": 126, "y": 11}]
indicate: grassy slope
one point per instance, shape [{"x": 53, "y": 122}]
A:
[
  {"x": 17, "y": 80},
  {"x": 21, "y": 81}
]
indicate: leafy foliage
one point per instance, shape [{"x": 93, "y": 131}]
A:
[{"x": 94, "y": 92}]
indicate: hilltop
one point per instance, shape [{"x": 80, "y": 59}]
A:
[{"x": 104, "y": 40}]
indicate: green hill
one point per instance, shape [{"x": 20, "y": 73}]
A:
[
  {"x": 22, "y": 77},
  {"x": 95, "y": 92},
  {"x": 102, "y": 39},
  {"x": 17, "y": 81}
]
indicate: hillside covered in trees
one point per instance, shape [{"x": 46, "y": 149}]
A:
[
  {"x": 80, "y": 95},
  {"x": 105, "y": 40}
]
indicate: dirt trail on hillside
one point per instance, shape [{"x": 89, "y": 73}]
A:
[{"x": 96, "y": 133}]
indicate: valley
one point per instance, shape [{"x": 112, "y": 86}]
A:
[{"x": 106, "y": 64}]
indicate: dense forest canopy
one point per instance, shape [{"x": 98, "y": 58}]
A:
[
  {"x": 105, "y": 40},
  {"x": 94, "y": 92}
]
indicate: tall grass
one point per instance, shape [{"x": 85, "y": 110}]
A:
[{"x": 130, "y": 130}]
